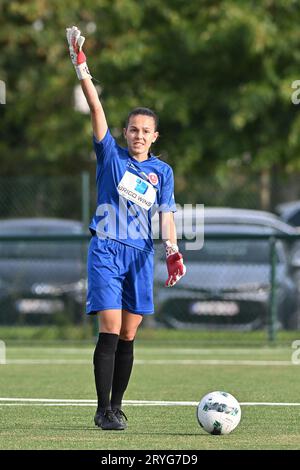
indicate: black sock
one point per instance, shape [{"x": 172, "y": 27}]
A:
[
  {"x": 104, "y": 360},
  {"x": 122, "y": 372}
]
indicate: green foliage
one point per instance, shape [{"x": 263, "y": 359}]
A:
[{"x": 219, "y": 74}]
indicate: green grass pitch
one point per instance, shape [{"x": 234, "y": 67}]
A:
[{"x": 162, "y": 373}]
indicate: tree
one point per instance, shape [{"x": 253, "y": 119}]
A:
[{"x": 219, "y": 74}]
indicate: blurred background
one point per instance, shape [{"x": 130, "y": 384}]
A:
[{"x": 219, "y": 74}]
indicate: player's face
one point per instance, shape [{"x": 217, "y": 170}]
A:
[{"x": 140, "y": 135}]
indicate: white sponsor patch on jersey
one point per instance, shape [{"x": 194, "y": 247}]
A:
[{"x": 137, "y": 190}]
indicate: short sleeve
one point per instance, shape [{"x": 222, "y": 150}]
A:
[
  {"x": 167, "y": 199},
  {"x": 103, "y": 147}
]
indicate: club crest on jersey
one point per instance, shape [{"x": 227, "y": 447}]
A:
[{"x": 153, "y": 178}]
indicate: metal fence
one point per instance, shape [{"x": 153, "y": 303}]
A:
[
  {"x": 42, "y": 278},
  {"x": 74, "y": 196},
  {"x": 235, "y": 281},
  {"x": 46, "y": 196}
]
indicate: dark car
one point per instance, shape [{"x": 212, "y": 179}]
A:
[
  {"x": 227, "y": 283},
  {"x": 41, "y": 278}
]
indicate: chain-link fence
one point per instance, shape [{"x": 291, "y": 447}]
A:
[
  {"x": 236, "y": 281},
  {"x": 240, "y": 282},
  {"x": 42, "y": 279},
  {"x": 230, "y": 283},
  {"x": 45, "y": 196},
  {"x": 74, "y": 196}
]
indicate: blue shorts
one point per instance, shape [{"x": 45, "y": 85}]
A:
[{"x": 119, "y": 277}]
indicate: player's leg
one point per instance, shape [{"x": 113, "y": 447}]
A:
[
  {"x": 104, "y": 363},
  {"x": 137, "y": 300},
  {"x": 104, "y": 354},
  {"x": 104, "y": 297},
  {"x": 124, "y": 361}
]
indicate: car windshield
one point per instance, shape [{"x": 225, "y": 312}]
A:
[{"x": 231, "y": 251}]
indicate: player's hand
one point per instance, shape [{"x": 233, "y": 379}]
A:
[
  {"x": 75, "y": 42},
  {"x": 176, "y": 268}
]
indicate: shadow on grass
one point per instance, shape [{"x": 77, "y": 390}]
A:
[
  {"x": 81, "y": 428},
  {"x": 127, "y": 432}
]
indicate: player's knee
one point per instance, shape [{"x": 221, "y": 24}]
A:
[
  {"x": 127, "y": 335},
  {"x": 110, "y": 322},
  {"x": 110, "y": 327},
  {"x": 112, "y": 330}
]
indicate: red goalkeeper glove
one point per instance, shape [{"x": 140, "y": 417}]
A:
[
  {"x": 75, "y": 41},
  {"x": 176, "y": 268}
]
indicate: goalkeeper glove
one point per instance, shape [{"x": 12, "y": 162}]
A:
[
  {"x": 75, "y": 41},
  {"x": 176, "y": 268}
]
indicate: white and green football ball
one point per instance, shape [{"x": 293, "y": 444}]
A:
[{"x": 218, "y": 413}]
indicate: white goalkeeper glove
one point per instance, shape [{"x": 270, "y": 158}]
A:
[{"x": 75, "y": 41}]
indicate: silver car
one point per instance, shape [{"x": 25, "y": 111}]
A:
[
  {"x": 227, "y": 284},
  {"x": 39, "y": 279}
]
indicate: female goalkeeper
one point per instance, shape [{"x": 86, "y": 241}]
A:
[{"x": 132, "y": 185}]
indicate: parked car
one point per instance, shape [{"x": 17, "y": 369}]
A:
[
  {"x": 41, "y": 278},
  {"x": 289, "y": 212},
  {"x": 227, "y": 283}
]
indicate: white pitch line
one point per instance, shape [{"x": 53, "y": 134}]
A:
[
  {"x": 176, "y": 351},
  {"x": 70, "y": 402},
  {"x": 47, "y": 361},
  {"x": 209, "y": 350},
  {"x": 38, "y": 350},
  {"x": 215, "y": 362},
  {"x": 269, "y": 404},
  {"x": 47, "y": 400},
  {"x": 47, "y": 404},
  {"x": 226, "y": 362}
]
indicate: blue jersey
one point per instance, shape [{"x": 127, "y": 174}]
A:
[{"x": 129, "y": 193}]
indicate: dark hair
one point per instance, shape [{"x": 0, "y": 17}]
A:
[{"x": 143, "y": 112}]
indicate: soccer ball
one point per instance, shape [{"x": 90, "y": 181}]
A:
[{"x": 218, "y": 413}]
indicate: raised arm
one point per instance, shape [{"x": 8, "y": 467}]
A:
[
  {"x": 97, "y": 113},
  {"x": 75, "y": 41}
]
